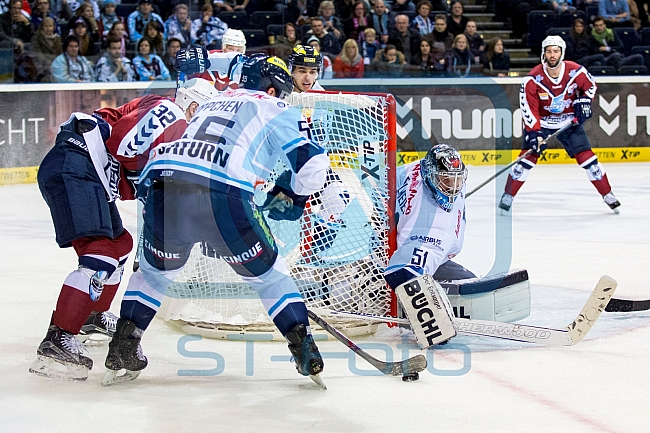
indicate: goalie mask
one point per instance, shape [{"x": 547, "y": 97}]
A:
[
  {"x": 444, "y": 173},
  {"x": 307, "y": 56},
  {"x": 195, "y": 90},
  {"x": 261, "y": 72}
]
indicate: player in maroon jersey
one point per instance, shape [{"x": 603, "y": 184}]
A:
[
  {"x": 554, "y": 94},
  {"x": 95, "y": 161}
]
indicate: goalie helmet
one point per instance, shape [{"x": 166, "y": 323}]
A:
[
  {"x": 305, "y": 56},
  {"x": 235, "y": 38},
  {"x": 444, "y": 173},
  {"x": 554, "y": 41},
  {"x": 261, "y": 72},
  {"x": 195, "y": 90}
]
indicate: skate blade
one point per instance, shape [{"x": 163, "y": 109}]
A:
[
  {"x": 48, "y": 367},
  {"x": 94, "y": 340},
  {"x": 318, "y": 380},
  {"x": 616, "y": 211},
  {"x": 111, "y": 378}
]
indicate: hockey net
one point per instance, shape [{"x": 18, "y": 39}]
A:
[{"x": 339, "y": 248}]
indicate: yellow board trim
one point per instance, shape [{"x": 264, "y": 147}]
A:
[
  {"x": 14, "y": 175},
  {"x": 550, "y": 156}
]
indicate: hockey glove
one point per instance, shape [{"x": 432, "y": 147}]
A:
[
  {"x": 192, "y": 60},
  {"x": 282, "y": 203},
  {"x": 535, "y": 139},
  {"x": 582, "y": 109}
]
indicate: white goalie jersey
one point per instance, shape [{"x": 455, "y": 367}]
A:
[{"x": 427, "y": 236}]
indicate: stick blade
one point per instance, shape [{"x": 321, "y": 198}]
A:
[
  {"x": 593, "y": 308},
  {"x": 625, "y": 305}
]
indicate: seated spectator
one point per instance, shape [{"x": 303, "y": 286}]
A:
[
  {"x": 107, "y": 18},
  {"x": 15, "y": 27},
  {"x": 284, "y": 43},
  {"x": 94, "y": 6},
  {"x": 426, "y": 61},
  {"x": 369, "y": 46},
  {"x": 149, "y": 66},
  {"x": 475, "y": 41},
  {"x": 344, "y": 8},
  {"x": 179, "y": 26},
  {"x": 401, "y": 6},
  {"x": 635, "y": 14},
  {"x": 326, "y": 71},
  {"x": 457, "y": 21},
  {"x": 61, "y": 9},
  {"x": 332, "y": 23},
  {"x": 404, "y": 38},
  {"x": 607, "y": 43},
  {"x": 421, "y": 21},
  {"x": 616, "y": 13},
  {"x": 439, "y": 6},
  {"x": 300, "y": 11},
  {"x": 221, "y": 6},
  {"x": 562, "y": 6},
  {"x": 153, "y": 32},
  {"x": 497, "y": 61},
  {"x": 387, "y": 64},
  {"x": 379, "y": 20},
  {"x": 328, "y": 42},
  {"x": 112, "y": 66},
  {"x": 40, "y": 10},
  {"x": 579, "y": 49},
  {"x": 138, "y": 20},
  {"x": 173, "y": 45},
  {"x": 348, "y": 64},
  {"x": 208, "y": 30},
  {"x": 642, "y": 11},
  {"x": 87, "y": 46},
  {"x": 46, "y": 46},
  {"x": 441, "y": 38},
  {"x": 117, "y": 31},
  {"x": 459, "y": 60},
  {"x": 358, "y": 22},
  {"x": 70, "y": 67},
  {"x": 85, "y": 12}
]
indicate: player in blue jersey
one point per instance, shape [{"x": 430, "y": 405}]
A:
[{"x": 200, "y": 189}]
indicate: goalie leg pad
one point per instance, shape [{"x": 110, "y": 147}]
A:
[{"x": 427, "y": 309}]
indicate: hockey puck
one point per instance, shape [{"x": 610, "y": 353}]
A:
[{"x": 410, "y": 377}]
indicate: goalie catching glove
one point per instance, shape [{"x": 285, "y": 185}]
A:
[
  {"x": 282, "y": 203},
  {"x": 192, "y": 60},
  {"x": 582, "y": 109}
]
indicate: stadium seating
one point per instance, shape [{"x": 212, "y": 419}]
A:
[
  {"x": 538, "y": 24},
  {"x": 644, "y": 50},
  {"x": 564, "y": 32},
  {"x": 629, "y": 37},
  {"x": 645, "y": 36},
  {"x": 633, "y": 70},
  {"x": 602, "y": 70},
  {"x": 262, "y": 19},
  {"x": 591, "y": 12},
  {"x": 255, "y": 37},
  {"x": 566, "y": 19},
  {"x": 275, "y": 29},
  {"x": 124, "y": 10},
  {"x": 235, "y": 20}
]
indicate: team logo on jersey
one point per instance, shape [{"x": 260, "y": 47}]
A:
[
  {"x": 435, "y": 242},
  {"x": 539, "y": 78},
  {"x": 543, "y": 96},
  {"x": 558, "y": 105}
]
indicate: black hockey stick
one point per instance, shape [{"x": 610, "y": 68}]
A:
[
  {"x": 406, "y": 367},
  {"x": 507, "y": 167},
  {"x": 625, "y": 306}
]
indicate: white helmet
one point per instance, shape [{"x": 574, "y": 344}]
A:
[
  {"x": 554, "y": 41},
  {"x": 235, "y": 38},
  {"x": 195, "y": 90}
]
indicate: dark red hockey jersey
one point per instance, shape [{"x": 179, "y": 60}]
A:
[
  {"x": 547, "y": 102},
  {"x": 138, "y": 127}
]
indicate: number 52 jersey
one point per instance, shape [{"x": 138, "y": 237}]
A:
[{"x": 237, "y": 139}]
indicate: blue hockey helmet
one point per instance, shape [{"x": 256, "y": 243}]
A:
[
  {"x": 444, "y": 173},
  {"x": 260, "y": 72}
]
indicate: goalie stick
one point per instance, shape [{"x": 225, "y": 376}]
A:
[
  {"x": 626, "y": 306},
  {"x": 406, "y": 367},
  {"x": 570, "y": 335}
]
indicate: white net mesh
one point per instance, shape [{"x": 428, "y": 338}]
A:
[{"x": 338, "y": 249}]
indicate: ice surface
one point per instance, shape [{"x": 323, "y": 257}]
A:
[{"x": 561, "y": 232}]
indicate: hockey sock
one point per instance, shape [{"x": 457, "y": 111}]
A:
[
  {"x": 595, "y": 171},
  {"x": 519, "y": 173},
  {"x": 291, "y": 315},
  {"x": 73, "y": 306}
]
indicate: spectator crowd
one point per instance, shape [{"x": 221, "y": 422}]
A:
[{"x": 87, "y": 40}]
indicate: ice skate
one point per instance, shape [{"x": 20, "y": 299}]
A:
[
  {"x": 124, "y": 353},
  {"x": 612, "y": 202},
  {"x": 305, "y": 354},
  {"x": 97, "y": 328},
  {"x": 506, "y": 202},
  {"x": 61, "y": 356}
]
